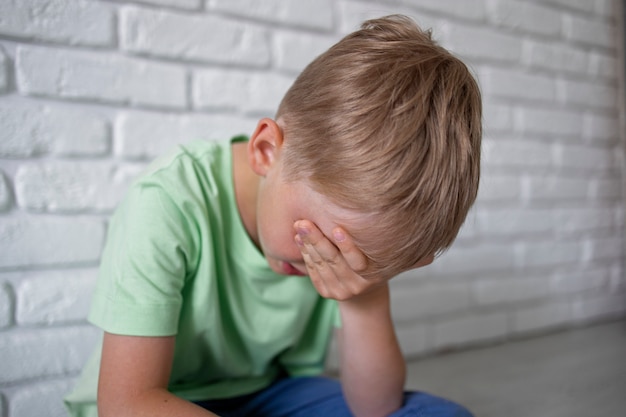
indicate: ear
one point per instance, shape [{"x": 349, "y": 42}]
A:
[{"x": 264, "y": 145}]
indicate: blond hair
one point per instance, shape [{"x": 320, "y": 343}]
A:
[{"x": 388, "y": 123}]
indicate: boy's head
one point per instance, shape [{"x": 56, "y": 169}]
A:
[{"x": 388, "y": 123}]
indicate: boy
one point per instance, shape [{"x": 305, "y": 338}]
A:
[{"x": 368, "y": 170}]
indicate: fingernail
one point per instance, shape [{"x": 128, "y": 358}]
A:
[
  {"x": 302, "y": 231},
  {"x": 339, "y": 236},
  {"x": 298, "y": 240}
]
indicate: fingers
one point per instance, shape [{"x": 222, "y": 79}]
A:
[
  {"x": 333, "y": 266},
  {"x": 351, "y": 253}
]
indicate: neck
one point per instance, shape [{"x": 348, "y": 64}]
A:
[{"x": 246, "y": 183}]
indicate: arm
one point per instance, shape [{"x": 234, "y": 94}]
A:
[
  {"x": 372, "y": 366},
  {"x": 134, "y": 374},
  {"x": 373, "y": 370}
]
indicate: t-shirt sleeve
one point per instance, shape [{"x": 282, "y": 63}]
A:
[{"x": 147, "y": 257}]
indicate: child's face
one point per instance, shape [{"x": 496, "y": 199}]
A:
[{"x": 280, "y": 204}]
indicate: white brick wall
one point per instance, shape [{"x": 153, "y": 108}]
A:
[{"x": 91, "y": 90}]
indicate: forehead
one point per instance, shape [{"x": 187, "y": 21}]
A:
[{"x": 311, "y": 205}]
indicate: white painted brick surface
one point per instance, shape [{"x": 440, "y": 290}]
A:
[
  {"x": 42, "y": 399},
  {"x": 5, "y": 193},
  {"x": 255, "y": 93},
  {"x": 464, "y": 9},
  {"x": 556, "y": 56},
  {"x": 411, "y": 304},
  {"x": 518, "y": 85},
  {"x": 146, "y": 135},
  {"x": 316, "y": 14},
  {"x": 4, "y": 71},
  {"x": 6, "y": 305},
  {"x": 72, "y": 186},
  {"x": 525, "y": 16},
  {"x": 30, "y": 129},
  {"x": 181, "y": 4},
  {"x": 209, "y": 39},
  {"x": 49, "y": 241},
  {"x": 480, "y": 42},
  {"x": 73, "y": 74},
  {"x": 26, "y": 353},
  {"x": 541, "y": 317},
  {"x": 497, "y": 291},
  {"x": 78, "y": 22},
  {"x": 472, "y": 328},
  {"x": 294, "y": 51},
  {"x": 92, "y": 90},
  {"x": 54, "y": 297},
  {"x": 589, "y": 32}
]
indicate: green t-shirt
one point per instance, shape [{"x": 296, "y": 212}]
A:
[{"x": 178, "y": 261}]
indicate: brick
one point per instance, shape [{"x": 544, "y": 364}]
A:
[
  {"x": 511, "y": 221},
  {"x": 548, "y": 121},
  {"x": 585, "y": 6},
  {"x": 599, "y": 128},
  {"x": 99, "y": 76},
  {"x": 293, "y": 51},
  {"x": 6, "y": 305},
  {"x": 192, "y": 37},
  {"x": 509, "y": 291},
  {"x": 609, "y": 189},
  {"x": 589, "y": 94},
  {"x": 4, "y": 71},
  {"x": 75, "y": 23},
  {"x": 482, "y": 43},
  {"x": 255, "y": 93},
  {"x": 589, "y": 32},
  {"x": 41, "y": 398},
  {"x": 497, "y": 117},
  {"x": 596, "y": 307},
  {"x": 584, "y": 219},
  {"x": 517, "y": 153},
  {"x": 6, "y": 198},
  {"x": 607, "y": 8},
  {"x": 179, "y": 4},
  {"x": 499, "y": 188},
  {"x": 32, "y": 241},
  {"x": 518, "y": 85},
  {"x": 527, "y": 17},
  {"x": 555, "y": 187},
  {"x": 464, "y": 9},
  {"x": 167, "y": 130},
  {"x": 316, "y": 14},
  {"x": 413, "y": 339},
  {"x": 579, "y": 280},
  {"x": 586, "y": 158},
  {"x": 416, "y": 302},
  {"x": 602, "y": 249},
  {"x": 26, "y": 353},
  {"x": 69, "y": 186},
  {"x": 603, "y": 66},
  {"x": 550, "y": 253},
  {"x": 618, "y": 279},
  {"x": 30, "y": 129},
  {"x": 545, "y": 316},
  {"x": 470, "y": 329},
  {"x": 559, "y": 57},
  {"x": 466, "y": 260},
  {"x": 266, "y": 93},
  {"x": 55, "y": 297}
]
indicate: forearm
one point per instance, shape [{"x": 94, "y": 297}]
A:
[
  {"x": 153, "y": 403},
  {"x": 373, "y": 370}
]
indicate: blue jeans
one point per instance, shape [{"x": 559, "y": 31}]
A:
[{"x": 321, "y": 397}]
